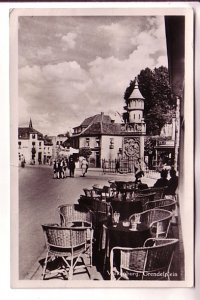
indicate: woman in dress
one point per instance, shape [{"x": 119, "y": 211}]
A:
[{"x": 84, "y": 167}]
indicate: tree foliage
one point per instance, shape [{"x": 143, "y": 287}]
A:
[
  {"x": 159, "y": 100},
  {"x": 85, "y": 152}
]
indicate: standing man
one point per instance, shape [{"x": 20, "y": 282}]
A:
[{"x": 71, "y": 166}]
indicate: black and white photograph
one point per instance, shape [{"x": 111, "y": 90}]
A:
[{"x": 101, "y": 147}]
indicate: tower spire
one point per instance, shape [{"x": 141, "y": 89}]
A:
[{"x": 30, "y": 124}]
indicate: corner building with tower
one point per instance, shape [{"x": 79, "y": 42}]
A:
[{"x": 111, "y": 141}]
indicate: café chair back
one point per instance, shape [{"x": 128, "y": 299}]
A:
[
  {"x": 144, "y": 263},
  {"x": 145, "y": 199},
  {"x": 159, "y": 192},
  {"x": 158, "y": 220},
  {"x": 70, "y": 213},
  {"x": 167, "y": 204},
  {"x": 106, "y": 193},
  {"x": 101, "y": 210},
  {"x": 90, "y": 193},
  {"x": 70, "y": 244}
]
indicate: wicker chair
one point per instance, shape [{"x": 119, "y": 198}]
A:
[
  {"x": 102, "y": 210},
  {"x": 159, "y": 192},
  {"x": 68, "y": 244},
  {"x": 157, "y": 219},
  {"x": 144, "y": 263},
  {"x": 145, "y": 199},
  {"x": 167, "y": 204},
  {"x": 70, "y": 213},
  {"x": 91, "y": 193}
]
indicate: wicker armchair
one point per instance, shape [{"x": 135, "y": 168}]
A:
[
  {"x": 159, "y": 192},
  {"x": 68, "y": 244},
  {"x": 102, "y": 210},
  {"x": 157, "y": 219},
  {"x": 70, "y": 213},
  {"x": 145, "y": 199},
  {"x": 144, "y": 263},
  {"x": 167, "y": 204},
  {"x": 90, "y": 193}
]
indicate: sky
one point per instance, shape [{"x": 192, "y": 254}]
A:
[{"x": 71, "y": 68}]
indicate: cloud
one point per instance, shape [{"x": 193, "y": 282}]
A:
[
  {"x": 69, "y": 40},
  {"x": 83, "y": 67},
  {"x": 162, "y": 61},
  {"x": 44, "y": 52}
]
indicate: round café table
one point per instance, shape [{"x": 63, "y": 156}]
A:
[{"x": 121, "y": 236}]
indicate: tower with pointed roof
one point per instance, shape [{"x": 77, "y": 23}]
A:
[
  {"x": 133, "y": 142},
  {"x": 135, "y": 105},
  {"x": 30, "y": 124}
]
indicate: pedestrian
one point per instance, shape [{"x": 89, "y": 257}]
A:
[
  {"x": 61, "y": 170},
  {"x": 71, "y": 166},
  {"x": 138, "y": 170},
  {"x": 57, "y": 169},
  {"x": 65, "y": 167},
  {"x": 54, "y": 170},
  {"x": 23, "y": 161},
  {"x": 162, "y": 181},
  {"x": 84, "y": 167}
]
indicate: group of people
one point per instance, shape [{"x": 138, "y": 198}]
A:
[
  {"x": 170, "y": 184},
  {"x": 60, "y": 167}
]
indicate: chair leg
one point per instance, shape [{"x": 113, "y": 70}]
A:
[{"x": 45, "y": 266}]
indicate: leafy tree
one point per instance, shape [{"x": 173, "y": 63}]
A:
[
  {"x": 160, "y": 102},
  {"x": 85, "y": 152}
]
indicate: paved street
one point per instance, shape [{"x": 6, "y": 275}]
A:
[{"x": 39, "y": 196}]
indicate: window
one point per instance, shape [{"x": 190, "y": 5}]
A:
[
  {"x": 40, "y": 144},
  {"x": 19, "y": 145},
  {"x": 33, "y": 136},
  {"x": 33, "y": 143},
  {"x": 57, "y": 143},
  {"x": 87, "y": 142},
  {"x": 97, "y": 142}
]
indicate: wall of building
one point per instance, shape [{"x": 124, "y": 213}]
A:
[
  {"x": 26, "y": 146},
  {"x": 92, "y": 142},
  {"x": 106, "y": 152},
  {"x": 48, "y": 151},
  {"x": 24, "y": 149}
]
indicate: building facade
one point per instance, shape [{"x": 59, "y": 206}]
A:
[
  {"x": 33, "y": 146},
  {"x": 108, "y": 140}
]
